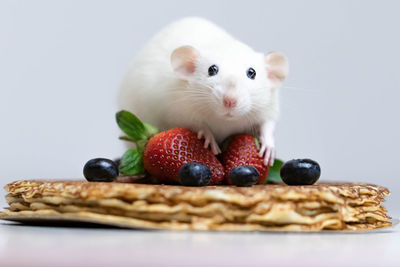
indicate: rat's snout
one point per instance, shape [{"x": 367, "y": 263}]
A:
[
  {"x": 229, "y": 101},
  {"x": 229, "y": 97}
]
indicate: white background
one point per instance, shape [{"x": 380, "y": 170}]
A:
[{"x": 61, "y": 63}]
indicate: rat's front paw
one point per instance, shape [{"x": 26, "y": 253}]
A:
[
  {"x": 209, "y": 140},
  {"x": 267, "y": 150}
]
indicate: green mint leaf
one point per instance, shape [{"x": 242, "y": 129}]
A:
[
  {"x": 274, "y": 174},
  {"x": 141, "y": 145},
  {"x": 257, "y": 142},
  {"x": 131, "y": 163},
  {"x": 126, "y": 138},
  {"x": 131, "y": 125},
  {"x": 150, "y": 129}
]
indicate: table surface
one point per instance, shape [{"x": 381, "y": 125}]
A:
[{"x": 22, "y": 245}]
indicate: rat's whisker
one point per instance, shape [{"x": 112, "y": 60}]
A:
[{"x": 300, "y": 89}]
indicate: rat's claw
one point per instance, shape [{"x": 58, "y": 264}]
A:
[
  {"x": 215, "y": 148},
  {"x": 209, "y": 141},
  {"x": 267, "y": 149},
  {"x": 269, "y": 156},
  {"x": 266, "y": 157},
  {"x": 262, "y": 150},
  {"x": 206, "y": 143},
  {"x": 271, "y": 162},
  {"x": 200, "y": 134}
]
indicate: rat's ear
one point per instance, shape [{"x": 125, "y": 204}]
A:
[
  {"x": 277, "y": 68},
  {"x": 183, "y": 61}
]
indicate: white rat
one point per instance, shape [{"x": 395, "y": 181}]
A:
[{"x": 193, "y": 74}]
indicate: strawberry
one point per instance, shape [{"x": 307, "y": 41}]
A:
[
  {"x": 163, "y": 154},
  {"x": 167, "y": 151},
  {"x": 240, "y": 150}
]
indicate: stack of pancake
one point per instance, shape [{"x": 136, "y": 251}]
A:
[{"x": 323, "y": 206}]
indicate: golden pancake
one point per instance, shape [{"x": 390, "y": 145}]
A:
[{"x": 333, "y": 206}]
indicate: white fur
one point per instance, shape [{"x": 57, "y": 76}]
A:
[{"x": 155, "y": 93}]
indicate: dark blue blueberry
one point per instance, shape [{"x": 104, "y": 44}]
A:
[
  {"x": 100, "y": 170},
  {"x": 300, "y": 172},
  {"x": 244, "y": 175},
  {"x": 194, "y": 174}
]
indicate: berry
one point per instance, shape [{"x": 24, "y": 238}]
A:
[
  {"x": 244, "y": 175},
  {"x": 241, "y": 150},
  {"x": 163, "y": 154},
  {"x": 194, "y": 174},
  {"x": 100, "y": 170},
  {"x": 168, "y": 151},
  {"x": 300, "y": 172}
]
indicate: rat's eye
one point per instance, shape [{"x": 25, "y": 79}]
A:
[
  {"x": 213, "y": 70},
  {"x": 251, "y": 73}
]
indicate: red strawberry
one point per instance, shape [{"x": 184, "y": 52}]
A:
[
  {"x": 242, "y": 150},
  {"x": 163, "y": 154},
  {"x": 167, "y": 151}
]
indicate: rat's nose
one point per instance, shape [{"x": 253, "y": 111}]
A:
[{"x": 229, "y": 102}]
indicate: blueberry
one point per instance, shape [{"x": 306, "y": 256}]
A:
[
  {"x": 194, "y": 174},
  {"x": 300, "y": 172},
  {"x": 100, "y": 170},
  {"x": 244, "y": 175}
]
